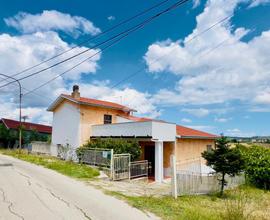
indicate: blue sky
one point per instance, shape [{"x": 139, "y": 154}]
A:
[{"x": 223, "y": 90}]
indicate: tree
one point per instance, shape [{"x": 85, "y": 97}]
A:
[
  {"x": 257, "y": 165},
  {"x": 224, "y": 160}
]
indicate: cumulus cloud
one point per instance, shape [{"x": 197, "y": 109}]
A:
[
  {"x": 258, "y": 2},
  {"x": 35, "y": 114},
  {"x": 51, "y": 20},
  {"x": 222, "y": 120},
  {"x": 39, "y": 41},
  {"x": 198, "y": 112},
  {"x": 130, "y": 97},
  {"x": 236, "y": 132},
  {"x": 186, "y": 120},
  {"x": 225, "y": 74},
  {"x": 26, "y": 50}
]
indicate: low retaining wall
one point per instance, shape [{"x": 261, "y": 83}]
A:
[{"x": 40, "y": 147}]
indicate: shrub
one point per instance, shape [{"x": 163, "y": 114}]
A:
[
  {"x": 224, "y": 160},
  {"x": 257, "y": 165},
  {"x": 119, "y": 146}
]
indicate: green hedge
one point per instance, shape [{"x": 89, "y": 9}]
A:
[
  {"x": 119, "y": 146},
  {"x": 257, "y": 165}
]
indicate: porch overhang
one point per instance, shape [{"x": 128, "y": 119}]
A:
[{"x": 151, "y": 130}]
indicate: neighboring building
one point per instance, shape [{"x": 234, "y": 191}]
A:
[
  {"x": 77, "y": 119},
  {"x": 43, "y": 131}
]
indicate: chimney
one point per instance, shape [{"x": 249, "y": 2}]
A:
[{"x": 75, "y": 94}]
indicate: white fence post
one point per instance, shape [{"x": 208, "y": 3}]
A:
[
  {"x": 174, "y": 180},
  {"x": 112, "y": 164}
]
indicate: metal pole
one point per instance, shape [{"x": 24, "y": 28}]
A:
[{"x": 20, "y": 111}]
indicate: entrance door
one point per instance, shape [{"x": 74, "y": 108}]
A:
[{"x": 149, "y": 154}]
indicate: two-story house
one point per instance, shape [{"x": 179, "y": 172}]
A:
[{"x": 77, "y": 119}]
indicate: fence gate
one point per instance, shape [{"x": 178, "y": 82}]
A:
[{"x": 120, "y": 167}]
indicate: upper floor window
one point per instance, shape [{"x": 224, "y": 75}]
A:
[{"x": 107, "y": 119}]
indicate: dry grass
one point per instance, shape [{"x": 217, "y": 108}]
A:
[{"x": 244, "y": 203}]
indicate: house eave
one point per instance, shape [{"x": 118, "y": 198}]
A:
[{"x": 196, "y": 137}]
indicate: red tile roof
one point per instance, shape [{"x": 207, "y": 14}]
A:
[
  {"x": 27, "y": 126},
  {"x": 95, "y": 102},
  {"x": 182, "y": 131},
  {"x": 189, "y": 132}
]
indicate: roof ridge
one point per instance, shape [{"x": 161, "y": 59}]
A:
[{"x": 117, "y": 105}]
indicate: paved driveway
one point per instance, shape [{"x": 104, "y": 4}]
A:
[{"x": 32, "y": 192}]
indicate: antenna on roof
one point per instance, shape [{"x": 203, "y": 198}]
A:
[{"x": 25, "y": 117}]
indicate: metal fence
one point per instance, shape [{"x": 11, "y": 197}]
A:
[
  {"x": 119, "y": 164},
  {"x": 188, "y": 178},
  {"x": 120, "y": 167},
  {"x": 139, "y": 169},
  {"x": 97, "y": 157}
]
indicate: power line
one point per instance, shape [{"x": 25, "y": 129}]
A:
[
  {"x": 138, "y": 71},
  {"x": 130, "y": 30},
  {"x": 116, "y": 41},
  {"x": 161, "y": 57},
  {"x": 92, "y": 38},
  {"x": 28, "y": 90}
]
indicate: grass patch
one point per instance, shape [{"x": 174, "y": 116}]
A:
[
  {"x": 68, "y": 168},
  {"x": 244, "y": 203}
]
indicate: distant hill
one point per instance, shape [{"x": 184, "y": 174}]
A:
[{"x": 254, "y": 139}]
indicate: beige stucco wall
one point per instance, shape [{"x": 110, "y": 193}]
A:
[
  {"x": 191, "y": 148},
  {"x": 91, "y": 115},
  {"x": 168, "y": 150}
]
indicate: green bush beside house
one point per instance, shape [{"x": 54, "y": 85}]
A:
[{"x": 119, "y": 146}]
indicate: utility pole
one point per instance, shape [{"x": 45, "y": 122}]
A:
[{"x": 20, "y": 98}]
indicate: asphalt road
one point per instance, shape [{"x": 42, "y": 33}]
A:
[{"x": 31, "y": 192}]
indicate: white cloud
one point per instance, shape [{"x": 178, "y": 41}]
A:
[
  {"x": 205, "y": 128},
  {"x": 235, "y": 132},
  {"x": 225, "y": 74},
  {"x": 258, "y": 2},
  {"x": 111, "y": 18},
  {"x": 199, "y": 112},
  {"x": 196, "y": 3},
  {"x": 263, "y": 97},
  {"x": 35, "y": 114},
  {"x": 25, "y": 50},
  {"x": 222, "y": 120},
  {"x": 132, "y": 98},
  {"x": 186, "y": 120},
  {"x": 51, "y": 20}
]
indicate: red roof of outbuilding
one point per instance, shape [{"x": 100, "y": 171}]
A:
[
  {"x": 9, "y": 123},
  {"x": 189, "y": 132},
  {"x": 182, "y": 131}
]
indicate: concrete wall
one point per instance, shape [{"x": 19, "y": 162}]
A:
[
  {"x": 66, "y": 126},
  {"x": 157, "y": 130},
  {"x": 41, "y": 147},
  {"x": 191, "y": 148}
]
